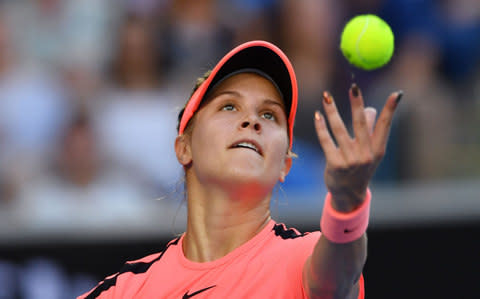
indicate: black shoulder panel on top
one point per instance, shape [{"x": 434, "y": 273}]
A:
[
  {"x": 135, "y": 268},
  {"x": 287, "y": 233}
]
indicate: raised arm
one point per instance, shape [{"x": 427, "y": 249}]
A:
[{"x": 335, "y": 266}]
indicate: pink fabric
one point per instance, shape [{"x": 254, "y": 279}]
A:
[
  {"x": 345, "y": 227},
  {"x": 270, "y": 265}
]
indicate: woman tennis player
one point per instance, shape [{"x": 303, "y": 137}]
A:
[{"x": 234, "y": 143}]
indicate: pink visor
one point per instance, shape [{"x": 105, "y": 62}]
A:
[{"x": 257, "y": 55}]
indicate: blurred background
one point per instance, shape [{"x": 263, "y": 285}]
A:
[{"x": 89, "y": 96}]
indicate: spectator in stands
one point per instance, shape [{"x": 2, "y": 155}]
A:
[
  {"x": 81, "y": 189},
  {"x": 135, "y": 114}
]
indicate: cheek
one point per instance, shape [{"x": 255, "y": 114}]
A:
[
  {"x": 206, "y": 139},
  {"x": 280, "y": 146},
  {"x": 199, "y": 144}
]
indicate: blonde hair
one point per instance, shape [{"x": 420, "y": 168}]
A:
[{"x": 198, "y": 82}]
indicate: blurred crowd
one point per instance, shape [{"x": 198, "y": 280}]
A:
[{"x": 90, "y": 91}]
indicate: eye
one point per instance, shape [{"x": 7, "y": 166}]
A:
[
  {"x": 228, "y": 107},
  {"x": 268, "y": 115}
]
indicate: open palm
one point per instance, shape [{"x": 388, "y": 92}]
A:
[{"x": 351, "y": 161}]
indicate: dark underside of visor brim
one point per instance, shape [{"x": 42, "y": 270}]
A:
[{"x": 264, "y": 59}]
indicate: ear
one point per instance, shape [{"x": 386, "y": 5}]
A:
[
  {"x": 183, "y": 150},
  {"x": 286, "y": 168}
]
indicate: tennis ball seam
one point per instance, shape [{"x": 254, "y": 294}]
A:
[{"x": 364, "y": 29}]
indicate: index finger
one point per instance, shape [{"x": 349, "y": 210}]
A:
[{"x": 384, "y": 123}]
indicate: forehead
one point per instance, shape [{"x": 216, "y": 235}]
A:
[{"x": 245, "y": 84}]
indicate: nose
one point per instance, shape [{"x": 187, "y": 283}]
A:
[{"x": 251, "y": 123}]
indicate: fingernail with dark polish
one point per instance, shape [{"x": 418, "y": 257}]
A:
[
  {"x": 327, "y": 98},
  {"x": 355, "y": 90},
  {"x": 399, "y": 96}
]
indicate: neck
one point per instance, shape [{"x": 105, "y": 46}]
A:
[{"x": 218, "y": 222}]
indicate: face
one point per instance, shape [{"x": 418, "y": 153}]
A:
[{"x": 239, "y": 135}]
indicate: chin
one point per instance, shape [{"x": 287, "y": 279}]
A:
[{"x": 246, "y": 177}]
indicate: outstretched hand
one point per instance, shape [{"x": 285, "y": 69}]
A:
[{"x": 351, "y": 162}]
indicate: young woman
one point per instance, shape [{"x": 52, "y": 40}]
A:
[{"x": 234, "y": 143}]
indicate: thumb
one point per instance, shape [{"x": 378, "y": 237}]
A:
[{"x": 370, "y": 115}]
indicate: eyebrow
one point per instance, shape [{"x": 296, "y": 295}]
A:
[
  {"x": 210, "y": 97},
  {"x": 272, "y": 102},
  {"x": 227, "y": 92},
  {"x": 236, "y": 93}
]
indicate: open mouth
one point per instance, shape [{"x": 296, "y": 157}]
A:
[{"x": 248, "y": 145}]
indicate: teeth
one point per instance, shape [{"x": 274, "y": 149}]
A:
[{"x": 247, "y": 145}]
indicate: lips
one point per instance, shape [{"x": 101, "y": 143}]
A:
[{"x": 248, "y": 144}]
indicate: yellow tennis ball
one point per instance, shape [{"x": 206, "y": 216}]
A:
[{"x": 367, "y": 42}]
